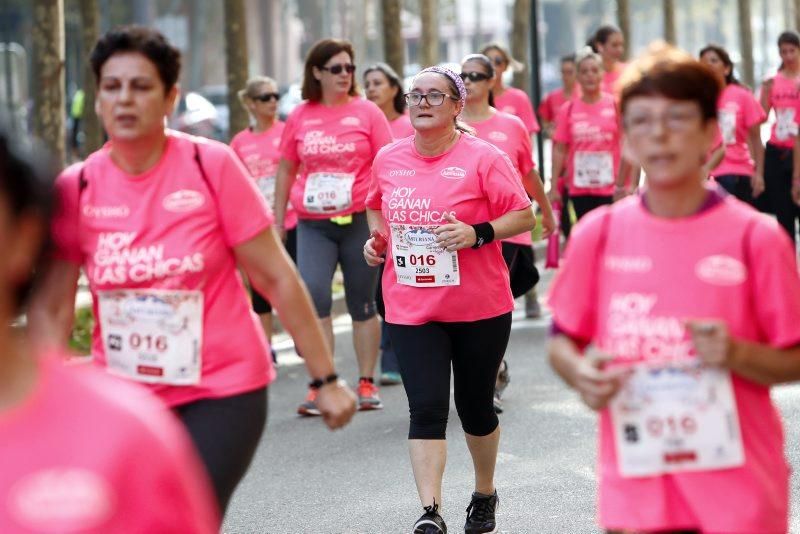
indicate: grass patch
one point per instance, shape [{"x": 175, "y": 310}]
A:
[{"x": 80, "y": 341}]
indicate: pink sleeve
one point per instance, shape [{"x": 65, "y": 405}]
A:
[
  {"x": 525, "y": 163},
  {"x": 502, "y": 186},
  {"x": 243, "y": 212},
  {"x": 64, "y": 228},
  {"x": 288, "y": 146},
  {"x": 754, "y": 113},
  {"x": 527, "y": 115},
  {"x": 380, "y": 133},
  {"x": 573, "y": 293},
  {"x": 562, "y": 132},
  {"x": 546, "y": 108},
  {"x": 775, "y": 284}
]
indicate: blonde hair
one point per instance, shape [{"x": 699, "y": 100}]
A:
[
  {"x": 251, "y": 88},
  {"x": 587, "y": 53},
  {"x": 512, "y": 63}
]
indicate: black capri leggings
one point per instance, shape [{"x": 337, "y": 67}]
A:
[
  {"x": 583, "y": 204},
  {"x": 226, "y": 433},
  {"x": 260, "y": 304},
  {"x": 777, "y": 196},
  {"x": 425, "y": 353}
]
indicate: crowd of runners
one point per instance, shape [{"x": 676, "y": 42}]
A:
[{"x": 675, "y": 308}]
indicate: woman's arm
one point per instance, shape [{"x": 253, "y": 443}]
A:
[
  {"x": 375, "y": 247},
  {"x": 287, "y": 171},
  {"x": 766, "y": 91},
  {"x": 559, "y": 156},
  {"x": 457, "y": 235},
  {"x": 52, "y": 309},
  {"x": 714, "y": 160},
  {"x": 535, "y": 189},
  {"x": 757, "y": 151}
]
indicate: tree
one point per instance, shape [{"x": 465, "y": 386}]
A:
[
  {"x": 48, "y": 76},
  {"x": 746, "y": 47},
  {"x": 394, "y": 50},
  {"x": 429, "y": 41},
  {"x": 236, "y": 62},
  {"x": 519, "y": 41},
  {"x": 624, "y": 22},
  {"x": 669, "y": 21},
  {"x": 90, "y": 31}
]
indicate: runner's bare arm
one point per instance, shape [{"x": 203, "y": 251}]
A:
[
  {"x": 758, "y": 362},
  {"x": 52, "y": 309},
  {"x": 766, "y": 90},
  {"x": 287, "y": 171},
  {"x": 534, "y": 187},
  {"x": 375, "y": 247},
  {"x": 271, "y": 272},
  {"x": 756, "y": 147},
  {"x": 714, "y": 160},
  {"x": 557, "y": 169}
]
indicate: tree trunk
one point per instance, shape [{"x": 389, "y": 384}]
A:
[
  {"x": 236, "y": 63},
  {"x": 429, "y": 41},
  {"x": 519, "y": 42},
  {"x": 669, "y": 21},
  {"x": 797, "y": 13},
  {"x": 624, "y": 21},
  {"x": 90, "y": 31},
  {"x": 746, "y": 33},
  {"x": 48, "y": 73},
  {"x": 394, "y": 50}
]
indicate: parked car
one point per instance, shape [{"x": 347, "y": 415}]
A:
[
  {"x": 196, "y": 115},
  {"x": 218, "y": 95}
]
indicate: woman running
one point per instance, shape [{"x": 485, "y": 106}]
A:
[
  {"x": 782, "y": 94},
  {"x": 741, "y": 171},
  {"x": 691, "y": 308},
  {"x": 334, "y": 136},
  {"x": 257, "y": 147},
  {"x": 609, "y": 42},
  {"x": 510, "y": 99},
  {"x": 587, "y": 142},
  {"x": 438, "y": 204},
  {"x": 159, "y": 221}
]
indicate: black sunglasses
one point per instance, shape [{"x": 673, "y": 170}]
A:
[
  {"x": 267, "y": 97},
  {"x": 337, "y": 69},
  {"x": 474, "y": 76}
]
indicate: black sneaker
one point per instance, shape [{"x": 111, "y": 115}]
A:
[
  {"x": 430, "y": 522},
  {"x": 480, "y": 514}
]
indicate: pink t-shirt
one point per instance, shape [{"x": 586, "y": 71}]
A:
[
  {"x": 610, "y": 79},
  {"x": 592, "y": 133},
  {"x": 738, "y": 111},
  {"x": 260, "y": 155},
  {"x": 88, "y": 453},
  {"x": 401, "y": 127},
  {"x": 475, "y": 182},
  {"x": 336, "y": 146},
  {"x": 507, "y": 133},
  {"x": 784, "y": 98},
  {"x": 171, "y": 229},
  {"x": 515, "y": 102},
  {"x": 548, "y": 108},
  {"x": 628, "y": 283}
]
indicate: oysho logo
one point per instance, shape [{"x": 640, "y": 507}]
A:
[
  {"x": 629, "y": 264},
  {"x": 453, "y": 172},
  {"x": 402, "y": 172},
  {"x": 498, "y": 136},
  {"x": 106, "y": 212},
  {"x": 420, "y": 237},
  {"x": 721, "y": 270},
  {"x": 350, "y": 121},
  {"x": 183, "y": 201},
  {"x": 312, "y": 122}
]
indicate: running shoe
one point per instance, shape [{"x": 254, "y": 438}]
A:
[
  {"x": 368, "y": 398},
  {"x": 480, "y": 514},
  {"x": 391, "y": 378},
  {"x": 533, "y": 310},
  {"x": 497, "y": 402},
  {"x": 309, "y": 406},
  {"x": 500, "y": 385},
  {"x": 430, "y": 522}
]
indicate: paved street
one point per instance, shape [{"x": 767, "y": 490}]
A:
[{"x": 308, "y": 480}]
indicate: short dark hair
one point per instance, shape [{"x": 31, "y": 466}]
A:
[
  {"x": 666, "y": 71},
  {"x": 569, "y": 58},
  {"x": 26, "y": 184},
  {"x": 723, "y": 56},
  {"x": 601, "y": 35},
  {"x": 399, "y": 101},
  {"x": 487, "y": 64},
  {"x": 319, "y": 54},
  {"x": 146, "y": 41},
  {"x": 789, "y": 37}
]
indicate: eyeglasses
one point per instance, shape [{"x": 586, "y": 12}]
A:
[
  {"x": 338, "y": 68},
  {"x": 267, "y": 97},
  {"x": 474, "y": 76},
  {"x": 674, "y": 120},
  {"x": 433, "y": 99}
]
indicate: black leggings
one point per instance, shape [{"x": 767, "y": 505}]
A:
[
  {"x": 738, "y": 185},
  {"x": 425, "y": 353},
  {"x": 777, "y": 196},
  {"x": 226, "y": 433},
  {"x": 583, "y": 204},
  {"x": 260, "y": 304}
]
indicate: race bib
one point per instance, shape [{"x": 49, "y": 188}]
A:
[
  {"x": 676, "y": 418},
  {"x": 419, "y": 261},
  {"x": 153, "y": 335},
  {"x": 328, "y": 192},
  {"x": 594, "y": 169},
  {"x": 727, "y": 126},
  {"x": 266, "y": 184},
  {"x": 785, "y": 125}
]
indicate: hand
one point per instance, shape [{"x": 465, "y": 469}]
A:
[
  {"x": 375, "y": 249},
  {"x": 337, "y": 403},
  {"x": 554, "y": 194},
  {"x": 712, "y": 341},
  {"x": 596, "y": 385},
  {"x": 548, "y": 224},
  {"x": 455, "y": 235},
  {"x": 757, "y": 183},
  {"x": 281, "y": 232}
]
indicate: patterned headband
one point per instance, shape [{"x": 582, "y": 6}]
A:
[{"x": 462, "y": 91}]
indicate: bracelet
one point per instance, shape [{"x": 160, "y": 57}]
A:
[
  {"x": 319, "y": 382},
  {"x": 484, "y": 233}
]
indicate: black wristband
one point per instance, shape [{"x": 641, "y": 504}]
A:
[
  {"x": 319, "y": 382},
  {"x": 484, "y": 233}
]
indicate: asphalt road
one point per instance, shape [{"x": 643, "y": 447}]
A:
[{"x": 306, "y": 479}]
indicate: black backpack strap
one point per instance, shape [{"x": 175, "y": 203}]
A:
[{"x": 199, "y": 162}]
